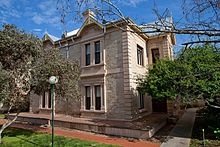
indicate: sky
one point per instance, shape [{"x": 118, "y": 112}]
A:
[{"x": 40, "y": 16}]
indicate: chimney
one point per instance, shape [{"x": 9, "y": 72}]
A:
[
  {"x": 88, "y": 13},
  {"x": 64, "y": 34}
]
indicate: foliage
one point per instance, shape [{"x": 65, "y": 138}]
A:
[
  {"x": 4, "y": 84},
  {"x": 19, "y": 137},
  {"x": 217, "y": 133},
  {"x": 194, "y": 74},
  {"x": 165, "y": 80},
  {"x": 26, "y": 66},
  {"x": 18, "y": 51},
  {"x": 50, "y": 63},
  {"x": 205, "y": 63}
]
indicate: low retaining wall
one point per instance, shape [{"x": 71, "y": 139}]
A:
[{"x": 97, "y": 128}]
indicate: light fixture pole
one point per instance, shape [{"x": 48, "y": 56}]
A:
[{"x": 53, "y": 80}]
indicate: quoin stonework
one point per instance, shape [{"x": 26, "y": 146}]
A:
[{"x": 110, "y": 60}]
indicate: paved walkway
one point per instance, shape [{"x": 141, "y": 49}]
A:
[
  {"x": 89, "y": 136},
  {"x": 180, "y": 135}
]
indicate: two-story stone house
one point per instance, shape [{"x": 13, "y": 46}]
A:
[{"x": 110, "y": 60}]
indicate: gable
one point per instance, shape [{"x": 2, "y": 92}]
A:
[
  {"x": 90, "y": 27},
  {"x": 90, "y": 31},
  {"x": 51, "y": 38}
]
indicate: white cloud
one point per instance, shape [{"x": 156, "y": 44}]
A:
[
  {"x": 5, "y": 3},
  {"x": 132, "y": 3},
  {"x": 8, "y": 10},
  {"x": 37, "y": 30},
  {"x": 48, "y": 7},
  {"x": 46, "y": 13},
  {"x": 38, "y": 19}
]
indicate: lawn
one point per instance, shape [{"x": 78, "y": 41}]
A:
[
  {"x": 13, "y": 137},
  {"x": 207, "y": 121}
]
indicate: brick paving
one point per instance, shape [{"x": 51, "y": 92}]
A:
[{"x": 88, "y": 136}]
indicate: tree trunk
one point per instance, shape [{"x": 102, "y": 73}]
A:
[
  {"x": 7, "y": 123},
  {"x": 0, "y": 137}
]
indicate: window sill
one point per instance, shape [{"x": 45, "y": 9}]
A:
[
  {"x": 142, "y": 66},
  {"x": 45, "y": 108},
  {"x": 93, "y": 111},
  {"x": 142, "y": 110},
  {"x": 93, "y": 65}
]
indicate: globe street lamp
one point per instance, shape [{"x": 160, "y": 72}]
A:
[{"x": 53, "y": 80}]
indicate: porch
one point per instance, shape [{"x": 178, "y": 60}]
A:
[{"x": 142, "y": 128}]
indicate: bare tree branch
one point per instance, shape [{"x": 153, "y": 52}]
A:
[
  {"x": 202, "y": 41},
  {"x": 213, "y": 106},
  {"x": 201, "y": 17}
]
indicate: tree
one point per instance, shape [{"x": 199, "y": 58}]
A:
[
  {"x": 4, "y": 84},
  {"x": 195, "y": 74},
  {"x": 50, "y": 63},
  {"x": 18, "y": 51},
  {"x": 165, "y": 80},
  {"x": 201, "y": 17},
  {"x": 205, "y": 63},
  {"x": 25, "y": 66}
]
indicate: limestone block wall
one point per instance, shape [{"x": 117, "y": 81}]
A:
[
  {"x": 62, "y": 105},
  {"x": 67, "y": 106},
  {"x": 135, "y": 71},
  {"x": 163, "y": 43},
  {"x": 75, "y": 52},
  {"x": 115, "y": 100},
  {"x": 170, "y": 46},
  {"x": 34, "y": 103}
]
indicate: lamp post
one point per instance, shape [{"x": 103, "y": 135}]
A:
[{"x": 53, "y": 80}]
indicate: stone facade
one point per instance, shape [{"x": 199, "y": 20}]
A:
[{"x": 112, "y": 82}]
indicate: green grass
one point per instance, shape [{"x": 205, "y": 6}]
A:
[{"x": 13, "y": 137}]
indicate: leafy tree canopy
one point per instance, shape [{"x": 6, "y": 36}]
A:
[
  {"x": 52, "y": 63},
  {"x": 26, "y": 66},
  {"x": 194, "y": 74},
  {"x": 18, "y": 52}
]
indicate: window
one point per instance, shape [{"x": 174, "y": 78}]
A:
[
  {"x": 140, "y": 55},
  {"x": 49, "y": 99},
  {"x": 67, "y": 53},
  {"x": 88, "y": 98},
  {"x": 98, "y": 97},
  {"x": 87, "y": 46},
  {"x": 44, "y": 100},
  {"x": 141, "y": 100},
  {"x": 155, "y": 55},
  {"x": 97, "y": 52}
]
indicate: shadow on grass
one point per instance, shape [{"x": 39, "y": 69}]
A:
[
  {"x": 13, "y": 132},
  {"x": 205, "y": 120}
]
